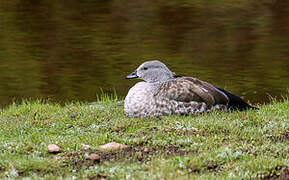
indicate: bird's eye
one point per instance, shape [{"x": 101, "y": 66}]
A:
[{"x": 145, "y": 68}]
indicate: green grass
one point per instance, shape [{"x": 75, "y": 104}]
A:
[{"x": 251, "y": 144}]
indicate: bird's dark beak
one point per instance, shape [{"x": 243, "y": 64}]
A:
[{"x": 132, "y": 75}]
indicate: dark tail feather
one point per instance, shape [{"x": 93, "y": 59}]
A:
[{"x": 236, "y": 103}]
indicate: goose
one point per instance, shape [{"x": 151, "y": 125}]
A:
[{"x": 163, "y": 93}]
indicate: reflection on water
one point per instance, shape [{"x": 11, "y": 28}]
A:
[{"x": 70, "y": 50}]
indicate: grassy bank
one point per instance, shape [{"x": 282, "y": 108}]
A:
[{"x": 221, "y": 145}]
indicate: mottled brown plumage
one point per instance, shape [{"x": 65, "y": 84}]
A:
[
  {"x": 164, "y": 93},
  {"x": 187, "y": 89}
]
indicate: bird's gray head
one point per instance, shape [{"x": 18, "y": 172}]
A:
[{"x": 152, "y": 71}]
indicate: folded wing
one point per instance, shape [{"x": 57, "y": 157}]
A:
[{"x": 188, "y": 89}]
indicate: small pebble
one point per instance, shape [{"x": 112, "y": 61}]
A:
[
  {"x": 52, "y": 148},
  {"x": 146, "y": 150},
  {"x": 112, "y": 146},
  {"x": 93, "y": 157},
  {"x": 85, "y": 147}
]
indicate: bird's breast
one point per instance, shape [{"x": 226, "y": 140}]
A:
[{"x": 139, "y": 101}]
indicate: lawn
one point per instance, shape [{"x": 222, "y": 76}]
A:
[{"x": 251, "y": 144}]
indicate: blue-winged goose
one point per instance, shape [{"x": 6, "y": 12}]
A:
[{"x": 163, "y": 93}]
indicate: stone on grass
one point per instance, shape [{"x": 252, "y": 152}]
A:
[
  {"x": 93, "y": 157},
  {"x": 146, "y": 150},
  {"x": 53, "y": 148},
  {"x": 85, "y": 147},
  {"x": 112, "y": 146}
]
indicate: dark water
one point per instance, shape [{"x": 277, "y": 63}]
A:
[{"x": 69, "y": 50}]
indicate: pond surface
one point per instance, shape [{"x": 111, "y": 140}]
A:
[{"x": 70, "y": 50}]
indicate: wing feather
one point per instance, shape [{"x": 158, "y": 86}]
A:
[{"x": 187, "y": 89}]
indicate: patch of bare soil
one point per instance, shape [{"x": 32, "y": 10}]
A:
[
  {"x": 274, "y": 173},
  {"x": 210, "y": 166},
  {"x": 281, "y": 137},
  {"x": 284, "y": 174},
  {"x": 285, "y": 136},
  {"x": 98, "y": 177},
  {"x": 132, "y": 154},
  {"x": 141, "y": 154}
]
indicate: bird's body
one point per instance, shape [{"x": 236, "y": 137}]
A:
[{"x": 162, "y": 93}]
